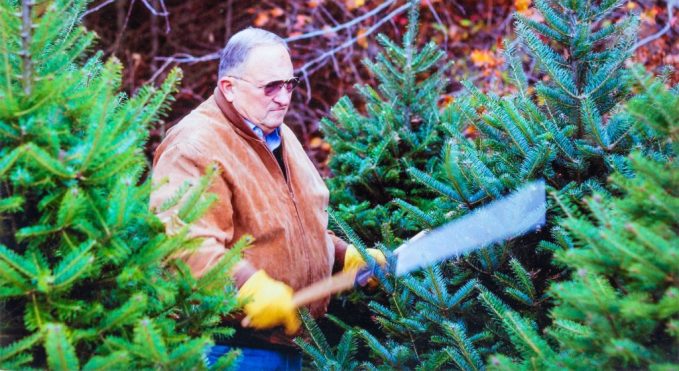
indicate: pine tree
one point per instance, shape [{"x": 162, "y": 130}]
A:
[
  {"x": 401, "y": 128},
  {"x": 561, "y": 129},
  {"x": 88, "y": 277},
  {"x": 619, "y": 308},
  {"x": 564, "y": 129},
  {"x": 323, "y": 356}
]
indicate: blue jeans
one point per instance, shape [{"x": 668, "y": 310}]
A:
[{"x": 252, "y": 359}]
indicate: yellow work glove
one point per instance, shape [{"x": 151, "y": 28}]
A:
[
  {"x": 268, "y": 303},
  {"x": 353, "y": 261}
]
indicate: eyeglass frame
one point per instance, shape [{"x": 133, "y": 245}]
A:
[{"x": 279, "y": 84}]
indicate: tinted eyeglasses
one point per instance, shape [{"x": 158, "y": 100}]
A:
[{"x": 272, "y": 88}]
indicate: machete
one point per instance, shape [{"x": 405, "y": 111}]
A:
[{"x": 505, "y": 218}]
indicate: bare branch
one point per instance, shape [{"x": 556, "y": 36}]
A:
[
  {"x": 159, "y": 71},
  {"x": 121, "y": 30},
  {"x": 306, "y": 69},
  {"x": 96, "y": 8},
  {"x": 351, "y": 41},
  {"x": 188, "y": 58},
  {"x": 167, "y": 16},
  {"x": 229, "y": 19},
  {"x": 439, "y": 21},
  {"x": 164, "y": 13},
  {"x": 670, "y": 19},
  {"x": 153, "y": 10},
  {"x": 342, "y": 26}
]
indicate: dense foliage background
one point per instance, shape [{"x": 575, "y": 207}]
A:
[
  {"x": 143, "y": 34},
  {"x": 456, "y": 104},
  {"x": 88, "y": 276}
]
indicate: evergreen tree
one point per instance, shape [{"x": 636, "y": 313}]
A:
[
  {"x": 401, "y": 129},
  {"x": 88, "y": 277},
  {"x": 620, "y": 307},
  {"x": 323, "y": 356},
  {"x": 563, "y": 129}
]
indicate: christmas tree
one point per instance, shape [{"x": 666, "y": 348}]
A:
[
  {"x": 564, "y": 128},
  {"x": 402, "y": 128},
  {"x": 88, "y": 277},
  {"x": 619, "y": 308}
]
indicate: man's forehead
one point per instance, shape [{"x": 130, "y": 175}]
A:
[{"x": 268, "y": 62}]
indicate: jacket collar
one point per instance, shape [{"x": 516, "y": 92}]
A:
[{"x": 232, "y": 116}]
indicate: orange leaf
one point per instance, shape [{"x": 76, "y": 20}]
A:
[
  {"x": 483, "y": 58},
  {"x": 522, "y": 5},
  {"x": 649, "y": 16},
  {"x": 315, "y": 142},
  {"x": 354, "y": 4},
  {"x": 277, "y": 12},
  {"x": 300, "y": 21},
  {"x": 361, "y": 40},
  {"x": 445, "y": 100},
  {"x": 261, "y": 20},
  {"x": 470, "y": 132}
]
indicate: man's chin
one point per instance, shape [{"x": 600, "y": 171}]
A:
[
  {"x": 269, "y": 126},
  {"x": 274, "y": 121}
]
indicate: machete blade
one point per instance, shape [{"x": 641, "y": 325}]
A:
[{"x": 510, "y": 216}]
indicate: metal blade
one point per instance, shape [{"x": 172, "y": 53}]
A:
[{"x": 511, "y": 216}]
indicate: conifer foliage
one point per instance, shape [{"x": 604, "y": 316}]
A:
[
  {"x": 87, "y": 274},
  {"x": 568, "y": 128},
  {"x": 619, "y": 309},
  {"x": 401, "y": 129}
]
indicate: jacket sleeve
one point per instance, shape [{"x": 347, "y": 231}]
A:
[{"x": 184, "y": 162}]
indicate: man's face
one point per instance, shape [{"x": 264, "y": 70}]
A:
[{"x": 245, "y": 87}]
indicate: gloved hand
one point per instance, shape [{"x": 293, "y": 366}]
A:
[
  {"x": 353, "y": 261},
  {"x": 268, "y": 303}
]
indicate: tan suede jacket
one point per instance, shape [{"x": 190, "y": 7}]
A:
[{"x": 286, "y": 217}]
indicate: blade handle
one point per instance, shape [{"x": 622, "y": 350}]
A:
[{"x": 324, "y": 288}]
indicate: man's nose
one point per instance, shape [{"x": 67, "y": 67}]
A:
[{"x": 283, "y": 96}]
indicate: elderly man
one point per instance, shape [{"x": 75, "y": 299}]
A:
[{"x": 267, "y": 187}]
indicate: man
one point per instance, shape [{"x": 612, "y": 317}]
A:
[{"x": 267, "y": 187}]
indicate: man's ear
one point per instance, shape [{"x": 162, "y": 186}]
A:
[{"x": 225, "y": 85}]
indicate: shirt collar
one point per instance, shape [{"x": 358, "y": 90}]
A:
[{"x": 273, "y": 140}]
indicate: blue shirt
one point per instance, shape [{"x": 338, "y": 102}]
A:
[{"x": 273, "y": 140}]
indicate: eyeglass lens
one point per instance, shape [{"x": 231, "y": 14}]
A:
[{"x": 274, "y": 86}]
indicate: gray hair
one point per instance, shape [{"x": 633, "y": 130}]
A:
[{"x": 241, "y": 43}]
